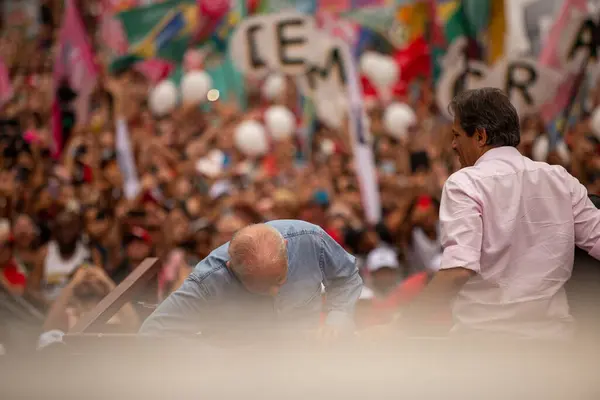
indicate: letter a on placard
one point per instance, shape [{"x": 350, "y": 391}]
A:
[{"x": 586, "y": 39}]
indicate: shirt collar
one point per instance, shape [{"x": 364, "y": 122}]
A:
[{"x": 502, "y": 152}]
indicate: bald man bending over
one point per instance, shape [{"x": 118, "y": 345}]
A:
[{"x": 268, "y": 276}]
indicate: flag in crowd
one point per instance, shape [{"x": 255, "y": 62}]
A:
[
  {"x": 556, "y": 112},
  {"x": 75, "y": 64},
  {"x": 494, "y": 37},
  {"x": 419, "y": 32},
  {"x": 160, "y": 31}
]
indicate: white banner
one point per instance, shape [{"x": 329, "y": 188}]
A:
[
  {"x": 275, "y": 42},
  {"x": 528, "y": 84}
]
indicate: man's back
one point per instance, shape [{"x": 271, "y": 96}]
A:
[{"x": 532, "y": 216}]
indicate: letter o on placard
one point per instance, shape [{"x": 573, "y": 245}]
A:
[{"x": 278, "y": 42}]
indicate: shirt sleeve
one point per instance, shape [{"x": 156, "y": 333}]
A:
[
  {"x": 586, "y": 219},
  {"x": 342, "y": 282},
  {"x": 461, "y": 226},
  {"x": 180, "y": 313}
]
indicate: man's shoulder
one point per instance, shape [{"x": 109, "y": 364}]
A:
[
  {"x": 214, "y": 266},
  {"x": 290, "y": 228},
  {"x": 471, "y": 175},
  {"x": 464, "y": 176}
]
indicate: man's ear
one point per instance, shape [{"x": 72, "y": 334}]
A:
[
  {"x": 228, "y": 264},
  {"x": 481, "y": 136}
]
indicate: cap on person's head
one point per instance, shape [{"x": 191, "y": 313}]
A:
[
  {"x": 138, "y": 233},
  {"x": 382, "y": 257}
]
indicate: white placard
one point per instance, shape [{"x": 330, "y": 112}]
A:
[
  {"x": 276, "y": 42},
  {"x": 326, "y": 66},
  {"x": 528, "y": 84}
]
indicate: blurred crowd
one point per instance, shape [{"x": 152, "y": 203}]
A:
[{"x": 68, "y": 233}]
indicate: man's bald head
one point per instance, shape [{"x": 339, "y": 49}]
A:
[{"x": 258, "y": 257}]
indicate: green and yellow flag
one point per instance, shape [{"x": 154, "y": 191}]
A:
[{"x": 161, "y": 30}]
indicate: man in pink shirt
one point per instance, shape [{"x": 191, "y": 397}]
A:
[{"x": 508, "y": 229}]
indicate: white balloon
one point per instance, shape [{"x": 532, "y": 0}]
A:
[
  {"x": 280, "y": 121},
  {"x": 251, "y": 139},
  {"x": 327, "y": 147},
  {"x": 163, "y": 98},
  {"x": 368, "y": 62},
  {"x": 195, "y": 86},
  {"x": 540, "y": 149},
  {"x": 208, "y": 167},
  {"x": 381, "y": 70},
  {"x": 274, "y": 87},
  {"x": 563, "y": 151},
  {"x": 331, "y": 110},
  {"x": 387, "y": 72},
  {"x": 595, "y": 122},
  {"x": 398, "y": 118}
]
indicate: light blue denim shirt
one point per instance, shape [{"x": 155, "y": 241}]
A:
[{"x": 212, "y": 298}]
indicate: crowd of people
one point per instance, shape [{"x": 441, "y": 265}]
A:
[{"x": 68, "y": 233}]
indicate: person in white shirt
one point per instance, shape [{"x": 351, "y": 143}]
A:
[{"x": 508, "y": 227}]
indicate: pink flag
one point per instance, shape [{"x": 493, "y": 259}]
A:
[
  {"x": 549, "y": 54},
  {"x": 75, "y": 62},
  {"x": 113, "y": 34},
  {"x": 549, "y": 57},
  {"x": 6, "y": 88},
  {"x": 154, "y": 69}
]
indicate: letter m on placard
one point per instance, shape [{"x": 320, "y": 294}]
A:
[{"x": 334, "y": 61}]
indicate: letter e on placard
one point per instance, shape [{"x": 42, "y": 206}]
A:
[{"x": 277, "y": 42}]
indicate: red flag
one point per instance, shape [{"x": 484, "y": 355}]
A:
[
  {"x": 368, "y": 88},
  {"x": 414, "y": 60}
]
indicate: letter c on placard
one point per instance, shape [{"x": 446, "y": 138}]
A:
[{"x": 256, "y": 62}]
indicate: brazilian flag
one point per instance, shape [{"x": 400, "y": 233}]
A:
[{"x": 161, "y": 30}]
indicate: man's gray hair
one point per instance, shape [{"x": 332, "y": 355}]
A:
[{"x": 255, "y": 247}]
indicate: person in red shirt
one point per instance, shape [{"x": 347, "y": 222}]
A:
[{"x": 11, "y": 276}]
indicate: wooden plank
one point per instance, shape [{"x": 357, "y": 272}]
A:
[{"x": 117, "y": 298}]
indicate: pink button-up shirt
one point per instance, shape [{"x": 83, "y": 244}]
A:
[{"x": 515, "y": 222}]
